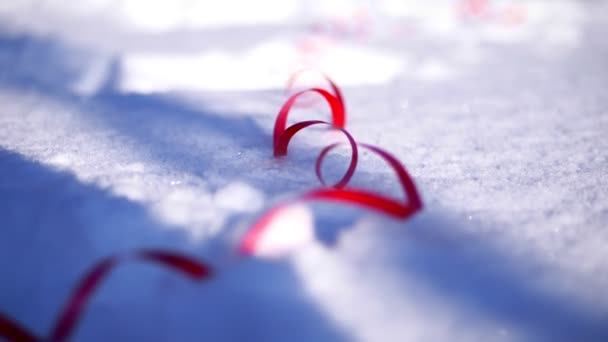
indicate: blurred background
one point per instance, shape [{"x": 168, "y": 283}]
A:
[{"x": 234, "y": 45}]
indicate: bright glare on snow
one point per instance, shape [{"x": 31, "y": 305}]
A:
[
  {"x": 265, "y": 66},
  {"x": 291, "y": 229}
]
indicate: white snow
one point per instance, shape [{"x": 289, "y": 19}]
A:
[{"x": 126, "y": 125}]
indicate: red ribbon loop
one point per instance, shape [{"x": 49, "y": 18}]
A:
[
  {"x": 285, "y": 137},
  {"x": 392, "y": 207},
  {"x": 347, "y": 176},
  {"x": 336, "y": 106},
  {"x": 411, "y": 204},
  {"x": 282, "y": 136}
]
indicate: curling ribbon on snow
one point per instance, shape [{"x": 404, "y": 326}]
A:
[
  {"x": 364, "y": 198},
  {"x": 282, "y": 135},
  {"x": 391, "y": 207},
  {"x": 280, "y": 148},
  {"x": 359, "y": 197},
  {"x": 336, "y": 106},
  {"x": 73, "y": 310}
]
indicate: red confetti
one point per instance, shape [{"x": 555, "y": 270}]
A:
[{"x": 72, "y": 312}]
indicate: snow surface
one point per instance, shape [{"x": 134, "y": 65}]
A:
[{"x": 129, "y": 124}]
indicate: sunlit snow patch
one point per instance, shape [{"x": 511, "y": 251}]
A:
[
  {"x": 290, "y": 229},
  {"x": 266, "y": 66}
]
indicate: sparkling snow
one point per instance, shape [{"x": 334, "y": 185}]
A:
[{"x": 128, "y": 124}]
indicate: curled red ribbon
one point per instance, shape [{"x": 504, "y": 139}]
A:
[
  {"x": 364, "y": 198},
  {"x": 72, "y": 312},
  {"x": 389, "y": 206},
  {"x": 282, "y": 136},
  {"x": 337, "y": 111},
  {"x": 392, "y": 207},
  {"x": 282, "y": 143},
  {"x": 359, "y": 197}
]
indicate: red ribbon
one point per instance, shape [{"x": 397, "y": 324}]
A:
[
  {"x": 364, "y": 198},
  {"x": 280, "y": 148},
  {"x": 387, "y": 205},
  {"x": 359, "y": 197},
  {"x": 282, "y": 136},
  {"x": 72, "y": 312},
  {"x": 13, "y": 331},
  {"x": 336, "y": 105}
]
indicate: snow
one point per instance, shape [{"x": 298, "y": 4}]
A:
[{"x": 122, "y": 128}]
